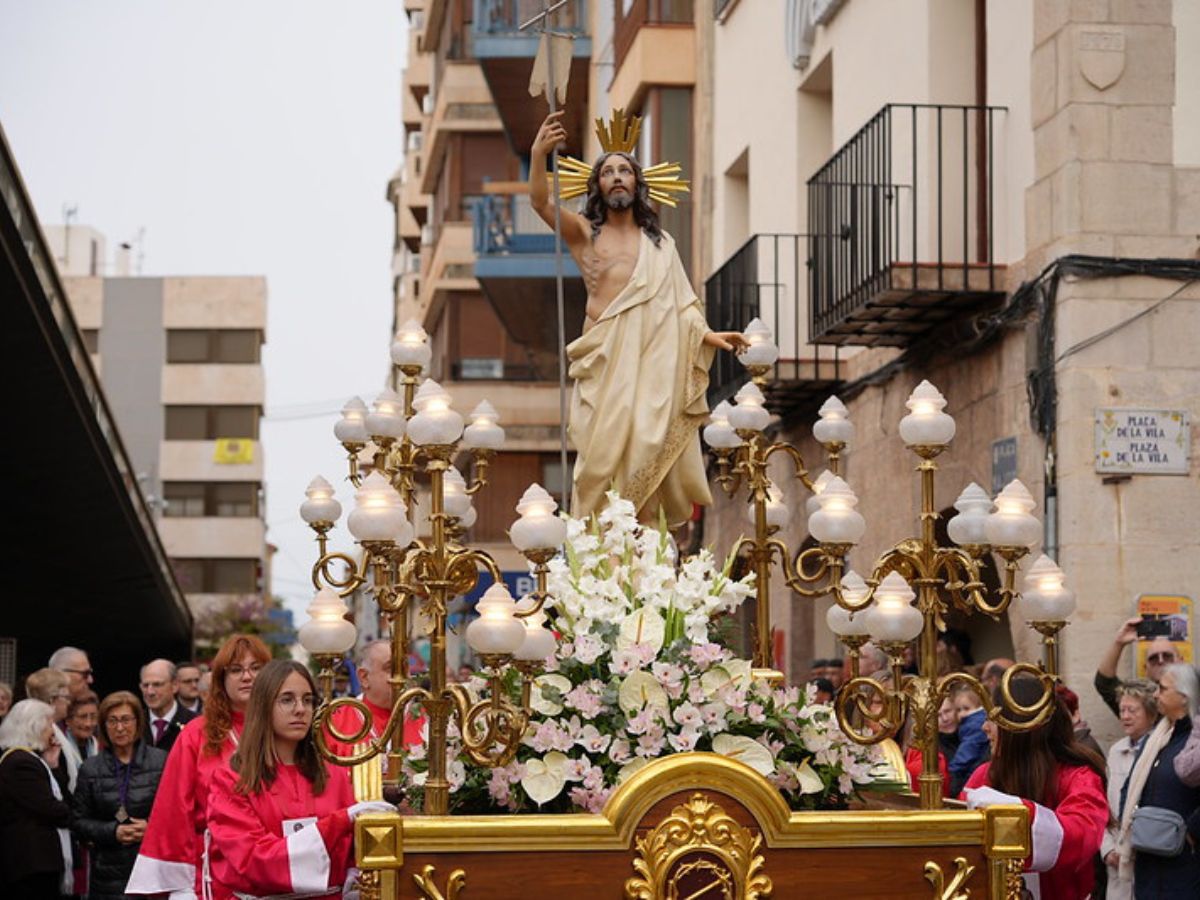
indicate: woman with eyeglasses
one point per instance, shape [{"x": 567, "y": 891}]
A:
[
  {"x": 279, "y": 816},
  {"x": 172, "y": 857},
  {"x": 1138, "y": 712},
  {"x": 1154, "y": 783},
  {"x": 115, "y": 793}
]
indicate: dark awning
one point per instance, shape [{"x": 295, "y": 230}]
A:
[{"x": 84, "y": 563}]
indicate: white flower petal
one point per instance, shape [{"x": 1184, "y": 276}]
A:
[
  {"x": 546, "y": 777},
  {"x": 746, "y": 750}
]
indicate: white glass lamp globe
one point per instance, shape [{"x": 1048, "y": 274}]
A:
[
  {"x": 926, "y": 425},
  {"x": 837, "y": 521},
  {"x": 969, "y": 525},
  {"x": 386, "y": 418},
  {"x": 762, "y": 350},
  {"x": 718, "y": 433},
  {"x": 1012, "y": 524},
  {"x": 455, "y": 499},
  {"x": 351, "y": 428},
  {"x": 750, "y": 412},
  {"x": 483, "y": 432},
  {"x": 411, "y": 346},
  {"x": 327, "y": 633},
  {"x": 379, "y": 513},
  {"x": 1045, "y": 597},
  {"x": 834, "y": 426},
  {"x": 893, "y": 617},
  {"x": 539, "y": 640},
  {"x": 813, "y": 503},
  {"x": 320, "y": 504},
  {"x": 434, "y": 423},
  {"x": 779, "y": 513},
  {"x": 539, "y": 527},
  {"x": 841, "y": 621},
  {"x": 497, "y": 631}
]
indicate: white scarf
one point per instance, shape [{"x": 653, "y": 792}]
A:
[
  {"x": 64, "y": 835},
  {"x": 1155, "y": 741}
]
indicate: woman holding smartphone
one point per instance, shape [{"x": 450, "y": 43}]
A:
[{"x": 280, "y": 818}]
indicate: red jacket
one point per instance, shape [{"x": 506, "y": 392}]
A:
[
  {"x": 282, "y": 840},
  {"x": 915, "y": 764},
  {"x": 1066, "y": 837}
]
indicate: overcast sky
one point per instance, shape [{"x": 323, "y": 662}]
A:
[{"x": 246, "y": 138}]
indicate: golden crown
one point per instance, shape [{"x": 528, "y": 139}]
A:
[{"x": 620, "y": 135}]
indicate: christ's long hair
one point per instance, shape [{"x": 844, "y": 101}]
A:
[
  {"x": 218, "y": 709},
  {"x": 255, "y": 760},
  {"x": 1026, "y": 763},
  {"x": 596, "y": 210}
]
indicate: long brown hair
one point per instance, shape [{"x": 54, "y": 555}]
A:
[
  {"x": 255, "y": 759},
  {"x": 218, "y": 710},
  {"x": 115, "y": 700},
  {"x": 1026, "y": 763}
]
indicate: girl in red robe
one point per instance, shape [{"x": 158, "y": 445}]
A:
[
  {"x": 279, "y": 818},
  {"x": 1061, "y": 782},
  {"x": 171, "y": 858}
]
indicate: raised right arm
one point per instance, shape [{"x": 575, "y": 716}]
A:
[{"x": 575, "y": 228}]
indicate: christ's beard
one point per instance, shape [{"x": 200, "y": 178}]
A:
[{"x": 623, "y": 200}]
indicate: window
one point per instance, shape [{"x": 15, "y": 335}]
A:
[
  {"x": 214, "y": 345},
  {"x": 217, "y": 576},
  {"x": 207, "y": 423},
  {"x": 190, "y": 499}
]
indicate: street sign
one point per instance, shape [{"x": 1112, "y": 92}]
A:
[{"x": 1143, "y": 441}]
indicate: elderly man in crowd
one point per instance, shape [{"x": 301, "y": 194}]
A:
[
  {"x": 74, "y": 663},
  {"x": 167, "y": 717},
  {"x": 1159, "y": 655},
  {"x": 187, "y": 677}
]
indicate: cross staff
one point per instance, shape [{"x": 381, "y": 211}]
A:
[{"x": 540, "y": 21}]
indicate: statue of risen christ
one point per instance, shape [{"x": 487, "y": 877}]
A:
[{"x": 641, "y": 366}]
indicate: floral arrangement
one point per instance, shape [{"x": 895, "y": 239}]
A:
[{"x": 641, "y": 673}]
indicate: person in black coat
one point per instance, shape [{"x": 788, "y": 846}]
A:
[
  {"x": 113, "y": 794},
  {"x": 35, "y": 844},
  {"x": 160, "y": 687},
  {"x": 1173, "y": 877}
]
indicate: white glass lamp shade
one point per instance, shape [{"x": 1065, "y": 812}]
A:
[
  {"x": 893, "y": 617},
  {"x": 762, "y": 350},
  {"x": 411, "y": 346},
  {"x": 539, "y": 640},
  {"x": 351, "y": 428},
  {"x": 455, "y": 499},
  {"x": 467, "y": 519},
  {"x": 1045, "y": 597},
  {"x": 778, "y": 512},
  {"x": 749, "y": 414},
  {"x": 483, "y": 432},
  {"x": 834, "y": 424},
  {"x": 497, "y": 631},
  {"x": 539, "y": 527},
  {"x": 969, "y": 526},
  {"x": 718, "y": 433},
  {"x": 320, "y": 505},
  {"x": 837, "y": 521},
  {"x": 813, "y": 503},
  {"x": 327, "y": 633},
  {"x": 1012, "y": 524},
  {"x": 386, "y": 418},
  {"x": 841, "y": 621},
  {"x": 379, "y": 513},
  {"x": 434, "y": 422},
  {"x": 926, "y": 424}
]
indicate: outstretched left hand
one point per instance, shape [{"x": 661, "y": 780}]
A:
[{"x": 734, "y": 341}]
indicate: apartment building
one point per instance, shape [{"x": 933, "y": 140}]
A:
[
  {"x": 1002, "y": 198},
  {"x": 180, "y": 361}
]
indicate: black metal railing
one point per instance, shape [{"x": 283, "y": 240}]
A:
[
  {"x": 765, "y": 278},
  {"x": 907, "y": 202}
]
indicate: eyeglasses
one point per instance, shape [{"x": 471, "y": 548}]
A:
[
  {"x": 291, "y": 701},
  {"x": 83, "y": 673},
  {"x": 238, "y": 671},
  {"x": 1160, "y": 658},
  {"x": 120, "y": 721},
  {"x": 85, "y": 717}
]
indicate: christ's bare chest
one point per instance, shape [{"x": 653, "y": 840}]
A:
[{"x": 607, "y": 265}]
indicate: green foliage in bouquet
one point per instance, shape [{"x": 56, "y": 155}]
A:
[{"x": 640, "y": 673}]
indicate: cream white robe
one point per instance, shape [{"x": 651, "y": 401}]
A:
[{"x": 640, "y": 374}]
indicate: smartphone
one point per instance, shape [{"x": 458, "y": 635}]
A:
[{"x": 1152, "y": 627}]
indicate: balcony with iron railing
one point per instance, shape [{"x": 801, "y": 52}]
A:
[
  {"x": 516, "y": 267},
  {"x": 904, "y": 226},
  {"x": 766, "y": 278},
  {"x": 506, "y": 55}
]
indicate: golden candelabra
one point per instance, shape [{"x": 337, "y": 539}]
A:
[
  {"x": 879, "y": 608},
  {"x": 419, "y": 432}
]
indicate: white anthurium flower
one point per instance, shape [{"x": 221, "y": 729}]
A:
[
  {"x": 735, "y": 672},
  {"x": 643, "y": 626},
  {"x": 546, "y": 777},
  {"x": 810, "y": 781},
  {"x": 747, "y": 750},
  {"x": 543, "y": 704},
  {"x": 641, "y": 689},
  {"x": 634, "y": 765}
]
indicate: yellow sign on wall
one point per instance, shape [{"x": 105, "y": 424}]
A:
[
  {"x": 1165, "y": 618},
  {"x": 233, "y": 451}
]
